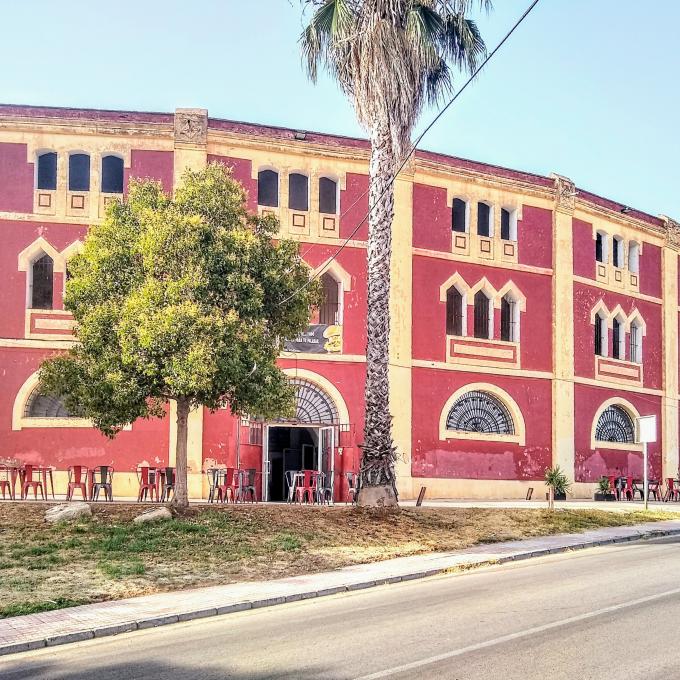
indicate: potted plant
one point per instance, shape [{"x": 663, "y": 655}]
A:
[
  {"x": 558, "y": 485},
  {"x": 604, "y": 491}
]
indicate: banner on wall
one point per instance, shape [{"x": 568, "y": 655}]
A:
[{"x": 317, "y": 339}]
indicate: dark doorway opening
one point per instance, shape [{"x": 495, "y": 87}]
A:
[{"x": 290, "y": 448}]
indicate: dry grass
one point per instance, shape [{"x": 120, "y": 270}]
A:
[{"x": 108, "y": 557}]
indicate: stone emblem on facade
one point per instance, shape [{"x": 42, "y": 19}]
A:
[
  {"x": 672, "y": 231},
  {"x": 565, "y": 193},
  {"x": 191, "y": 126}
]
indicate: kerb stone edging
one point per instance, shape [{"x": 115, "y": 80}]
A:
[{"x": 74, "y": 624}]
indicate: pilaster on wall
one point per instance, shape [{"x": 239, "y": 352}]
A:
[
  {"x": 191, "y": 141},
  {"x": 669, "y": 427},
  {"x": 563, "y": 326},
  {"x": 401, "y": 297}
]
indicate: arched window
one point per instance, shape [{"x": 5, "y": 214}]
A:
[
  {"x": 617, "y": 251},
  {"x": 329, "y": 310},
  {"x": 601, "y": 254},
  {"x": 47, "y": 171},
  {"x": 45, "y": 406},
  {"x": 618, "y": 339},
  {"x": 636, "y": 342},
  {"x": 42, "y": 283},
  {"x": 600, "y": 335},
  {"x": 509, "y": 319},
  {"x": 482, "y": 315},
  {"x": 328, "y": 196},
  {"x": 455, "y": 312},
  {"x": 483, "y": 219},
  {"x": 508, "y": 224},
  {"x": 459, "y": 216},
  {"x": 313, "y": 405},
  {"x": 615, "y": 425},
  {"x": 268, "y": 188},
  {"x": 634, "y": 257},
  {"x": 477, "y": 411},
  {"x": 78, "y": 172},
  {"x": 298, "y": 191},
  {"x": 112, "y": 175}
]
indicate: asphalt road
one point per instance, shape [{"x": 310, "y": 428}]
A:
[{"x": 600, "y": 613}]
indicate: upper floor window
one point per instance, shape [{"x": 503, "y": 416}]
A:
[
  {"x": 615, "y": 425},
  {"x": 329, "y": 310},
  {"x": 636, "y": 343},
  {"x": 298, "y": 192},
  {"x": 268, "y": 188},
  {"x": 600, "y": 335},
  {"x": 459, "y": 215},
  {"x": 455, "y": 312},
  {"x": 508, "y": 225},
  {"x": 634, "y": 257},
  {"x": 328, "y": 196},
  {"x": 483, "y": 219},
  {"x": 42, "y": 283},
  {"x": 47, "y": 171},
  {"x": 482, "y": 316},
  {"x": 78, "y": 172},
  {"x": 478, "y": 411},
  {"x": 601, "y": 254},
  {"x": 509, "y": 319},
  {"x": 618, "y": 339},
  {"x": 41, "y": 405},
  {"x": 617, "y": 251},
  {"x": 112, "y": 175}
]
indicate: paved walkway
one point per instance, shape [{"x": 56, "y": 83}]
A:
[{"x": 22, "y": 633}]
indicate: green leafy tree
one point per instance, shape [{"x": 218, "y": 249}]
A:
[
  {"x": 179, "y": 299},
  {"x": 390, "y": 58}
]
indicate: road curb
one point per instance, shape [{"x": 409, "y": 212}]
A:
[{"x": 202, "y": 612}]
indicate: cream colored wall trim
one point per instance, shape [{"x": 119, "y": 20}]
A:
[
  {"x": 618, "y": 291},
  {"x": 619, "y": 386},
  {"x": 36, "y": 343},
  {"x": 670, "y": 434},
  {"x": 302, "y": 356},
  {"x": 440, "y": 255},
  {"x": 490, "y": 370},
  {"x": 326, "y": 385},
  {"x": 454, "y": 280},
  {"x": 518, "y": 419},
  {"x": 632, "y": 412},
  {"x": 40, "y": 247},
  {"x": 74, "y": 249},
  {"x": 338, "y": 272}
]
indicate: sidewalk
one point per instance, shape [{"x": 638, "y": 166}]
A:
[{"x": 22, "y": 633}]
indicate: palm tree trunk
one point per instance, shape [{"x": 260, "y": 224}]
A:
[
  {"x": 377, "y": 484},
  {"x": 181, "y": 495}
]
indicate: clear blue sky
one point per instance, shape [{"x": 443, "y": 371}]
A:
[{"x": 585, "y": 88}]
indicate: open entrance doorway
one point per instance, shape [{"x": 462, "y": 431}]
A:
[{"x": 292, "y": 448}]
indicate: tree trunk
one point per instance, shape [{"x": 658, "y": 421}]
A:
[
  {"x": 551, "y": 498},
  {"x": 377, "y": 483},
  {"x": 181, "y": 495}
]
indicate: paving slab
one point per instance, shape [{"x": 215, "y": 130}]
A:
[{"x": 24, "y": 633}]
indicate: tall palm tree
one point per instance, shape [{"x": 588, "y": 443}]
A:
[{"x": 390, "y": 58}]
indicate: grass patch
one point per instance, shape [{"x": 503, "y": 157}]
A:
[{"x": 107, "y": 556}]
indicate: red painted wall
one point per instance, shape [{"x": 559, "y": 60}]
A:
[
  {"x": 591, "y": 464},
  {"x": 429, "y": 314},
  {"x": 467, "y": 459},
  {"x": 584, "y": 249},
  {"x": 16, "y": 179},
  {"x": 650, "y": 270},
  {"x": 242, "y": 171},
  {"x": 431, "y": 218},
  {"x": 157, "y": 165},
  {"x": 354, "y": 207},
  {"x": 534, "y": 237}
]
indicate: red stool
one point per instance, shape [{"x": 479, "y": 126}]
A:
[
  {"x": 77, "y": 479},
  {"x": 30, "y": 483}
]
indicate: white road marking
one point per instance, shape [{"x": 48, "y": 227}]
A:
[{"x": 515, "y": 636}]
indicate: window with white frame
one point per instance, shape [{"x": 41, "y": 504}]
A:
[
  {"x": 268, "y": 188},
  {"x": 484, "y": 225},
  {"x": 79, "y": 172},
  {"x": 41, "y": 284},
  {"x": 482, "y": 315},
  {"x": 46, "y": 172},
  {"x": 617, "y": 251},
  {"x": 634, "y": 257},
  {"x": 298, "y": 192},
  {"x": 600, "y": 335},
  {"x": 328, "y": 196},
  {"x": 509, "y": 319},
  {"x": 601, "y": 254},
  {"x": 455, "y": 312},
  {"x": 113, "y": 173},
  {"x": 618, "y": 338},
  {"x": 636, "y": 342},
  {"x": 330, "y": 310},
  {"x": 508, "y": 224},
  {"x": 459, "y": 213}
]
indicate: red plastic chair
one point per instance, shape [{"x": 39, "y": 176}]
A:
[
  {"x": 306, "y": 488},
  {"x": 671, "y": 490},
  {"x": 6, "y": 482},
  {"x": 77, "y": 479},
  {"x": 148, "y": 483},
  {"x": 628, "y": 491},
  {"x": 30, "y": 483},
  {"x": 225, "y": 484},
  {"x": 612, "y": 486}
]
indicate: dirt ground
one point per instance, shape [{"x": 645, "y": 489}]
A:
[{"x": 107, "y": 557}]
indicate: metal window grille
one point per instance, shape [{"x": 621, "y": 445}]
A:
[
  {"x": 481, "y": 412},
  {"x": 268, "y": 188},
  {"x": 483, "y": 219},
  {"x": 635, "y": 348},
  {"x": 45, "y": 406},
  {"x": 458, "y": 215},
  {"x": 42, "y": 283},
  {"x": 615, "y": 425},
  {"x": 47, "y": 171},
  {"x": 598, "y": 334},
  {"x": 505, "y": 224},
  {"x": 328, "y": 196},
  {"x": 616, "y": 340},
  {"x": 298, "y": 192},
  {"x": 454, "y": 312},
  {"x": 481, "y": 315},
  {"x": 79, "y": 172},
  {"x": 112, "y": 175},
  {"x": 329, "y": 310},
  {"x": 313, "y": 405},
  {"x": 508, "y": 323}
]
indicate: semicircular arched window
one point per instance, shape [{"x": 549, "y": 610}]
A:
[
  {"x": 482, "y": 412},
  {"x": 45, "y": 406},
  {"x": 615, "y": 425},
  {"x": 313, "y": 405}
]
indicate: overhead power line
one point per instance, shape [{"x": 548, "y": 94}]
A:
[{"x": 407, "y": 156}]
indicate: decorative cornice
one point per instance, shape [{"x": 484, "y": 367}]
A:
[
  {"x": 672, "y": 228},
  {"x": 565, "y": 194}
]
